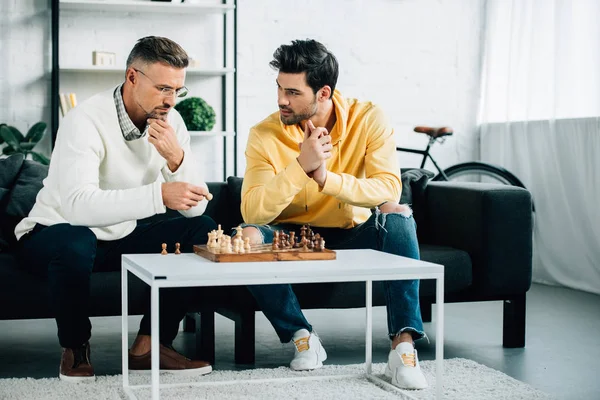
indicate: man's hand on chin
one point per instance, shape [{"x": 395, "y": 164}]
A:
[{"x": 163, "y": 137}]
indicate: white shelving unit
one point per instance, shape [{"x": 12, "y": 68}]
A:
[
  {"x": 108, "y": 25},
  {"x": 144, "y": 6}
]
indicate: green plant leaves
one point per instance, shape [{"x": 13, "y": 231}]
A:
[
  {"x": 17, "y": 143},
  {"x": 40, "y": 158},
  {"x": 7, "y": 151},
  {"x": 11, "y": 136},
  {"x": 197, "y": 114},
  {"x": 36, "y": 132},
  {"x": 27, "y": 146}
]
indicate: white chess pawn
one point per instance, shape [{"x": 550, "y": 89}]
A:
[
  {"x": 211, "y": 241},
  {"x": 247, "y": 244},
  {"x": 223, "y": 242}
]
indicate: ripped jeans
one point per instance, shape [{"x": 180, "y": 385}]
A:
[{"x": 392, "y": 233}]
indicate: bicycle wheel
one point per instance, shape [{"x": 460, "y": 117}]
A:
[{"x": 479, "y": 172}]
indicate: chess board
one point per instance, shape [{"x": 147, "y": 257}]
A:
[{"x": 264, "y": 252}]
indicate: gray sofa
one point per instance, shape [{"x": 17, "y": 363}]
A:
[{"x": 481, "y": 233}]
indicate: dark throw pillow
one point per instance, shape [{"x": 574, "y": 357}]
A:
[
  {"x": 414, "y": 183},
  {"x": 29, "y": 182},
  {"x": 9, "y": 169},
  {"x": 20, "y": 200}
]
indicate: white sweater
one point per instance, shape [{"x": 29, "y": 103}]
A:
[{"x": 99, "y": 180}]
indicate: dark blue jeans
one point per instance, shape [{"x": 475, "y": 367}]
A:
[
  {"x": 66, "y": 256},
  {"x": 391, "y": 233}
]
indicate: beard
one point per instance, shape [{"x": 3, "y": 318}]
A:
[
  {"x": 158, "y": 113},
  {"x": 161, "y": 112},
  {"x": 304, "y": 114}
]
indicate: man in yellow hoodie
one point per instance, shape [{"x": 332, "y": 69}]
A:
[{"x": 330, "y": 162}]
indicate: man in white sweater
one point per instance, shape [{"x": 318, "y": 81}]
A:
[{"x": 121, "y": 156}]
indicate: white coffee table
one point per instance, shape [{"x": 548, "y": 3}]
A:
[{"x": 191, "y": 270}]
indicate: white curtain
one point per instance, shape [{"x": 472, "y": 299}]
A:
[{"x": 539, "y": 118}]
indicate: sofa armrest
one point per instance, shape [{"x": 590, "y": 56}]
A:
[{"x": 493, "y": 223}]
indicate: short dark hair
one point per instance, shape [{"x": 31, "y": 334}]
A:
[
  {"x": 153, "y": 49},
  {"x": 308, "y": 56}
]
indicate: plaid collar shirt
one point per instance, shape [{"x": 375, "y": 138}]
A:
[{"x": 128, "y": 128}]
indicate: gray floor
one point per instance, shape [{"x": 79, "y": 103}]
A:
[{"x": 561, "y": 356}]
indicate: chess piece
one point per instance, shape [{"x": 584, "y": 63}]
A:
[
  {"x": 177, "y": 246},
  {"x": 226, "y": 247},
  {"x": 320, "y": 244},
  {"x": 219, "y": 233},
  {"x": 275, "y": 245},
  {"x": 212, "y": 240},
  {"x": 247, "y": 244},
  {"x": 238, "y": 242},
  {"x": 309, "y": 231},
  {"x": 164, "y": 249},
  {"x": 238, "y": 230},
  {"x": 292, "y": 239},
  {"x": 304, "y": 244}
]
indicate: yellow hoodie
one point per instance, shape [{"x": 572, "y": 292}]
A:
[{"x": 363, "y": 171}]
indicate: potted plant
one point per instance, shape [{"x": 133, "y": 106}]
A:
[
  {"x": 17, "y": 143},
  {"x": 197, "y": 114}
]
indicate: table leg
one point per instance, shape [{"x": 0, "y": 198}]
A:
[
  {"x": 439, "y": 337},
  {"x": 155, "y": 350},
  {"x": 369, "y": 330},
  {"x": 124, "y": 326}
]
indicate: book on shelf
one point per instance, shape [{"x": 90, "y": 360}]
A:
[{"x": 67, "y": 101}]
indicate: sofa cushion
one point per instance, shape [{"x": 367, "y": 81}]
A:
[
  {"x": 29, "y": 182},
  {"x": 9, "y": 169},
  {"x": 20, "y": 200},
  {"x": 458, "y": 269}
]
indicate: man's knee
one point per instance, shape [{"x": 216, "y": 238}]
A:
[
  {"x": 198, "y": 228},
  {"x": 252, "y": 233},
  {"x": 75, "y": 247},
  {"x": 203, "y": 221},
  {"x": 395, "y": 208}
]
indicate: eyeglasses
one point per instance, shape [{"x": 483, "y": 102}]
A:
[{"x": 166, "y": 91}]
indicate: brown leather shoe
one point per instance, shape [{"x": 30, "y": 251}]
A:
[
  {"x": 75, "y": 365},
  {"x": 170, "y": 361}
]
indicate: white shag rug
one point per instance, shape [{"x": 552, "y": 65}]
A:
[{"x": 463, "y": 380}]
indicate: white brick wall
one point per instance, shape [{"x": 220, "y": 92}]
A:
[{"x": 420, "y": 60}]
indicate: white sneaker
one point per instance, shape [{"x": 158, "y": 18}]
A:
[
  {"x": 404, "y": 369},
  {"x": 310, "y": 353}
]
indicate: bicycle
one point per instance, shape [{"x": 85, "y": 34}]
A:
[
  {"x": 473, "y": 171},
  {"x": 462, "y": 170}
]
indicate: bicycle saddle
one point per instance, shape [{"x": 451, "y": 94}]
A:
[{"x": 435, "y": 132}]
